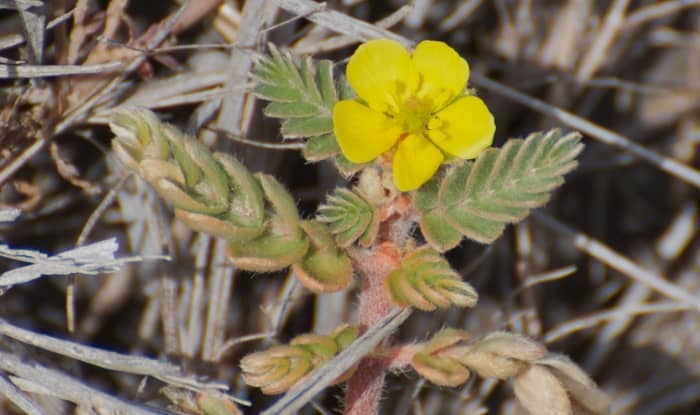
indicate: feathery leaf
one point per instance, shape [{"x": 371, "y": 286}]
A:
[
  {"x": 478, "y": 198},
  {"x": 302, "y": 94}
]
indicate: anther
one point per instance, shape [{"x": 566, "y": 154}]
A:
[{"x": 434, "y": 123}]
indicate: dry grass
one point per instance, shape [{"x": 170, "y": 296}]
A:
[{"x": 608, "y": 273}]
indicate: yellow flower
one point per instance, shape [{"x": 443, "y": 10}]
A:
[{"x": 413, "y": 105}]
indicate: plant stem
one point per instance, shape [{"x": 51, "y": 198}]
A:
[{"x": 365, "y": 386}]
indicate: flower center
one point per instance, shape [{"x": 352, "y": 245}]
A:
[{"x": 415, "y": 115}]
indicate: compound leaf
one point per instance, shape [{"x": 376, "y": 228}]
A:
[{"x": 476, "y": 199}]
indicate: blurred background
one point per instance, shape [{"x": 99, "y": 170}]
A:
[{"x": 607, "y": 273}]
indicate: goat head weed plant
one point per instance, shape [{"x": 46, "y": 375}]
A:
[{"x": 418, "y": 143}]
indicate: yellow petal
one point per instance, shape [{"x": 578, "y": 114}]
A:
[
  {"x": 362, "y": 133},
  {"x": 444, "y": 74},
  {"x": 381, "y": 72},
  {"x": 415, "y": 162},
  {"x": 464, "y": 128}
]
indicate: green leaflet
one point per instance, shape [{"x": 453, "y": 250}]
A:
[
  {"x": 306, "y": 127},
  {"x": 476, "y": 199},
  {"x": 436, "y": 230},
  {"x": 321, "y": 147},
  {"x": 302, "y": 94}
]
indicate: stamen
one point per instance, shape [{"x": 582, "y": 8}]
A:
[
  {"x": 434, "y": 123},
  {"x": 413, "y": 104}
]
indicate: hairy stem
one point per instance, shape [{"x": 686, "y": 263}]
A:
[
  {"x": 373, "y": 265},
  {"x": 365, "y": 388}
]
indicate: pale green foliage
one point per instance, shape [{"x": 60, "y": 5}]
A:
[
  {"x": 216, "y": 194},
  {"x": 476, "y": 199},
  {"x": 545, "y": 383},
  {"x": 578, "y": 384},
  {"x": 444, "y": 370},
  {"x": 350, "y": 218},
  {"x": 325, "y": 267},
  {"x": 426, "y": 281},
  {"x": 302, "y": 93},
  {"x": 280, "y": 367}
]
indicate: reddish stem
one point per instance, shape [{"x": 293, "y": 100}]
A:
[
  {"x": 365, "y": 385},
  {"x": 365, "y": 388},
  {"x": 374, "y": 265}
]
